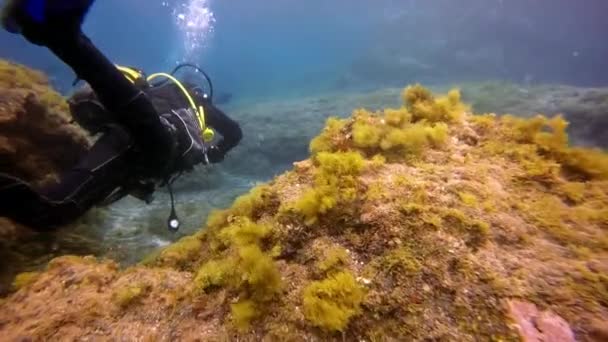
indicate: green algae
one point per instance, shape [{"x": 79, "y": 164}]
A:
[
  {"x": 182, "y": 254},
  {"x": 332, "y": 302},
  {"x": 335, "y": 183},
  {"x": 25, "y": 279},
  {"x": 333, "y": 259},
  {"x": 428, "y": 223},
  {"x": 130, "y": 295},
  {"x": 243, "y": 313}
]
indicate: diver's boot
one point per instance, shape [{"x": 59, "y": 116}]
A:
[
  {"x": 41, "y": 21},
  {"x": 102, "y": 170}
]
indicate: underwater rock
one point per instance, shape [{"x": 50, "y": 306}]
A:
[
  {"x": 585, "y": 108},
  {"x": 277, "y": 132},
  {"x": 37, "y": 140},
  {"x": 536, "y": 326},
  {"x": 599, "y": 331},
  {"x": 409, "y": 223}
]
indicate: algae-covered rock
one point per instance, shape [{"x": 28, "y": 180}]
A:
[
  {"x": 37, "y": 142},
  {"x": 585, "y": 108},
  {"x": 37, "y": 139},
  {"x": 420, "y": 222},
  {"x": 278, "y": 131},
  {"x": 534, "y": 325}
]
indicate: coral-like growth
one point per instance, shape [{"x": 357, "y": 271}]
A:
[
  {"x": 426, "y": 108},
  {"x": 540, "y": 136},
  {"x": 365, "y": 133},
  {"x": 399, "y": 134},
  {"x": 586, "y": 162},
  {"x": 259, "y": 273},
  {"x": 331, "y": 139},
  {"x": 243, "y": 267},
  {"x": 400, "y": 260},
  {"x": 214, "y": 273},
  {"x": 468, "y": 198},
  {"x": 259, "y": 199},
  {"x": 24, "y": 279},
  {"x": 37, "y": 139},
  {"x": 182, "y": 254},
  {"x": 331, "y": 303},
  {"x": 334, "y": 258},
  {"x": 335, "y": 182},
  {"x": 129, "y": 295},
  {"x": 14, "y": 76},
  {"x": 243, "y": 313},
  {"x": 244, "y": 232},
  {"x": 416, "y": 94}
]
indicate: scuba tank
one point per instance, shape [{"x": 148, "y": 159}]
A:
[
  {"x": 90, "y": 114},
  {"x": 187, "y": 123}
]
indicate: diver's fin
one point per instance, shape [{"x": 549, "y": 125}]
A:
[
  {"x": 42, "y": 17},
  {"x": 9, "y": 17}
]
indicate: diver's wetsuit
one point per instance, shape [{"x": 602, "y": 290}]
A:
[{"x": 141, "y": 140}]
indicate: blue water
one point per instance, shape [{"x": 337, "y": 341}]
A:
[
  {"x": 266, "y": 53},
  {"x": 276, "y": 48}
]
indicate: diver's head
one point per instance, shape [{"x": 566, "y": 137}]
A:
[{"x": 198, "y": 93}]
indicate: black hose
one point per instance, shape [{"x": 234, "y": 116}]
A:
[
  {"x": 197, "y": 68},
  {"x": 173, "y": 221}
]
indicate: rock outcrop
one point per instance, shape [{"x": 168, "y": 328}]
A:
[
  {"x": 278, "y": 131},
  {"x": 536, "y": 326},
  {"x": 586, "y": 109},
  {"x": 419, "y": 222},
  {"x": 37, "y": 140}
]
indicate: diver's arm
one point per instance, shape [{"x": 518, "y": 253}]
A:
[
  {"x": 117, "y": 94},
  {"x": 57, "y": 25},
  {"x": 112, "y": 88},
  {"x": 228, "y": 128}
]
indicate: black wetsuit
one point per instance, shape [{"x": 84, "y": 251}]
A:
[{"x": 139, "y": 147}]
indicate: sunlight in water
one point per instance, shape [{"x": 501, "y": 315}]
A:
[{"x": 196, "y": 22}]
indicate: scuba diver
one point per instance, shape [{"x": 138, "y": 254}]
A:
[{"x": 150, "y": 132}]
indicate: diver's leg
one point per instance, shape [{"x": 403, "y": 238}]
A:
[
  {"x": 56, "y": 25},
  {"x": 101, "y": 170}
]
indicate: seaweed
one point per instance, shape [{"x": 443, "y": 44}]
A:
[{"x": 332, "y": 302}]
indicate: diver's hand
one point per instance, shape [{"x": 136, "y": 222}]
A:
[
  {"x": 43, "y": 22},
  {"x": 215, "y": 155}
]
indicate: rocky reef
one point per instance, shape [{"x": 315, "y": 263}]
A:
[
  {"x": 37, "y": 142},
  {"x": 418, "y": 222},
  {"x": 585, "y": 108},
  {"x": 37, "y": 139}
]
